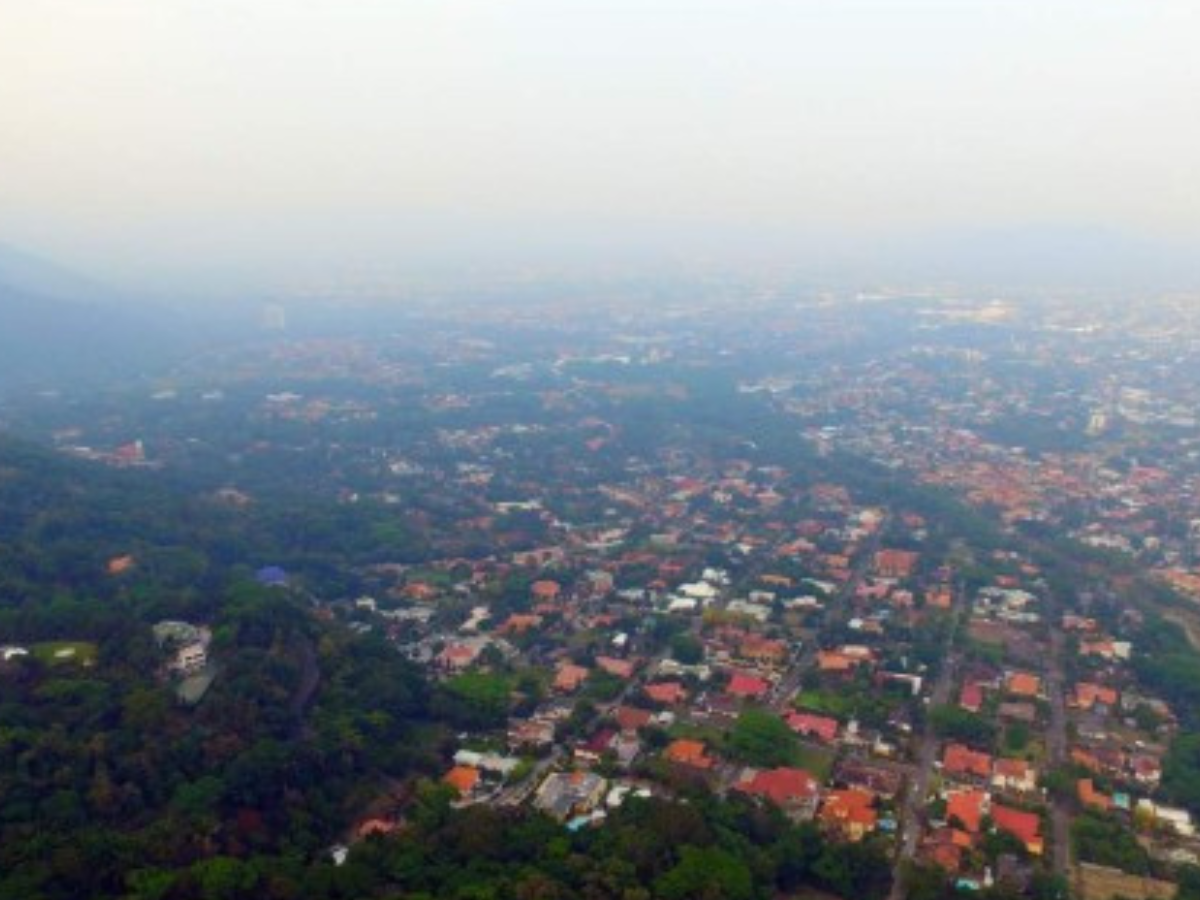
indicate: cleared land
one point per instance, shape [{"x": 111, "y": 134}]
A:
[
  {"x": 62, "y": 653},
  {"x": 1101, "y": 883}
]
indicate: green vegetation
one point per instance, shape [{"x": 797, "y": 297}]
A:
[
  {"x": 65, "y": 653},
  {"x": 761, "y": 738},
  {"x": 1106, "y": 842},
  {"x": 956, "y": 724},
  {"x": 647, "y": 849},
  {"x": 475, "y": 699}
]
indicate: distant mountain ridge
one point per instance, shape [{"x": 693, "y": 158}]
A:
[
  {"x": 32, "y": 274},
  {"x": 57, "y": 326}
]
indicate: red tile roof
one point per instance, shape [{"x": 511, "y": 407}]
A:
[
  {"x": 462, "y": 778},
  {"x": 959, "y": 759},
  {"x": 743, "y": 685},
  {"x": 781, "y": 786},
  {"x": 971, "y": 698},
  {"x": 1024, "y": 826},
  {"x": 689, "y": 753},
  {"x": 667, "y": 692},
  {"x": 822, "y": 727},
  {"x": 967, "y": 807}
]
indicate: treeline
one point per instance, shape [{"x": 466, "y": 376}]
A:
[
  {"x": 703, "y": 848},
  {"x": 103, "y": 773}
]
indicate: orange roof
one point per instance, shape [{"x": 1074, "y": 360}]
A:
[
  {"x": 689, "y": 753},
  {"x": 519, "y": 623},
  {"x": 743, "y": 685},
  {"x": 1089, "y": 797},
  {"x": 962, "y": 760},
  {"x": 375, "y": 826},
  {"x": 1015, "y": 769},
  {"x": 630, "y": 718},
  {"x": 967, "y": 807},
  {"x": 1085, "y": 759},
  {"x": 896, "y": 563},
  {"x": 569, "y": 677},
  {"x": 851, "y": 810},
  {"x": 119, "y": 564},
  {"x": 1023, "y": 684},
  {"x": 781, "y": 786},
  {"x": 668, "y": 692},
  {"x": 462, "y": 778},
  {"x": 546, "y": 589},
  {"x": 1088, "y": 695},
  {"x": 836, "y": 661},
  {"x": 620, "y": 668},
  {"x": 1024, "y": 826}
]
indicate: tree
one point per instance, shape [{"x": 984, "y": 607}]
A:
[
  {"x": 761, "y": 738},
  {"x": 224, "y": 878},
  {"x": 706, "y": 874}
]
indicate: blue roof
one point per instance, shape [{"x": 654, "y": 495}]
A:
[{"x": 271, "y": 575}]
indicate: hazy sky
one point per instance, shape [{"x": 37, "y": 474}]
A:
[{"x": 162, "y": 138}]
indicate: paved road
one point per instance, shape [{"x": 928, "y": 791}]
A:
[
  {"x": 918, "y": 788},
  {"x": 1056, "y": 747}
]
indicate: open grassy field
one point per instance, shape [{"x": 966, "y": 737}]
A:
[
  {"x": 1102, "y": 883},
  {"x": 62, "y": 653}
]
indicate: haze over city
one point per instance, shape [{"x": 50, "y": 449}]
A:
[{"x": 200, "y": 145}]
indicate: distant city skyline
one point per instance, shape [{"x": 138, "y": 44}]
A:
[{"x": 227, "y": 144}]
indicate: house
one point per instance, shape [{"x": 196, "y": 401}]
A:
[
  {"x": 763, "y": 651},
  {"x": 1088, "y": 695},
  {"x": 1014, "y": 775},
  {"x": 271, "y": 576},
  {"x": 188, "y": 645},
  {"x": 569, "y": 677},
  {"x": 370, "y": 827},
  {"x": 850, "y": 813},
  {"x": 120, "y": 564},
  {"x": 971, "y": 698},
  {"x": 190, "y": 658},
  {"x": 564, "y": 794},
  {"x": 1106, "y": 649},
  {"x": 788, "y": 788},
  {"x": 457, "y": 657},
  {"x": 463, "y": 779},
  {"x": 1024, "y": 684},
  {"x": 487, "y": 763},
  {"x": 1147, "y": 769},
  {"x": 531, "y": 733},
  {"x": 747, "y": 687},
  {"x": 591, "y": 750},
  {"x": 1024, "y": 826},
  {"x": 966, "y": 808},
  {"x": 692, "y": 754},
  {"x": 545, "y": 591},
  {"x": 945, "y": 847},
  {"x": 668, "y": 693},
  {"x": 939, "y": 597},
  {"x": 896, "y": 563},
  {"x": 519, "y": 623},
  {"x": 618, "y": 668},
  {"x": 805, "y": 724},
  {"x": 961, "y": 760},
  {"x": 630, "y": 719},
  {"x": 881, "y": 781},
  {"x": 1089, "y": 797},
  {"x": 1178, "y": 820},
  {"x": 844, "y": 659}
]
